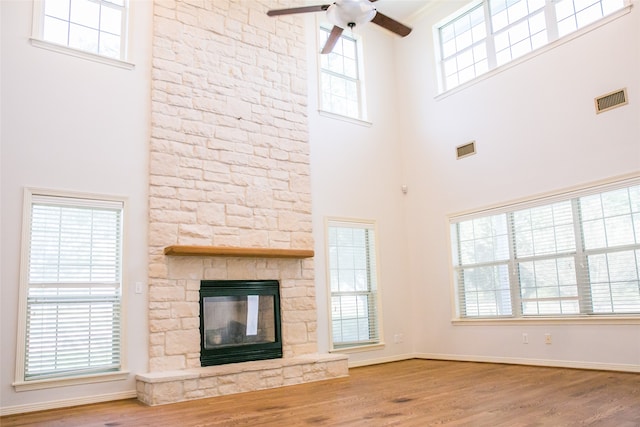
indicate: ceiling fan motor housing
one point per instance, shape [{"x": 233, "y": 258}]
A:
[{"x": 350, "y": 13}]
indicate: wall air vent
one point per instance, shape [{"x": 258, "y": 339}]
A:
[
  {"x": 465, "y": 150},
  {"x": 611, "y": 100}
]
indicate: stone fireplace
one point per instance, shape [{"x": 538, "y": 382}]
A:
[
  {"x": 175, "y": 352},
  {"x": 229, "y": 192}
]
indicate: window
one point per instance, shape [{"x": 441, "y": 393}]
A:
[
  {"x": 572, "y": 15},
  {"x": 341, "y": 83},
  {"x": 492, "y": 33},
  {"x": 94, "y": 26},
  {"x": 463, "y": 47},
  {"x": 518, "y": 28},
  {"x": 353, "y": 283},
  {"x": 71, "y": 295},
  {"x": 570, "y": 256}
]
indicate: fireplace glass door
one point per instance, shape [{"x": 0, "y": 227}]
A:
[{"x": 239, "y": 321}]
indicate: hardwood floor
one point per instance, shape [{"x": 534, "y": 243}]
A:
[{"x": 408, "y": 393}]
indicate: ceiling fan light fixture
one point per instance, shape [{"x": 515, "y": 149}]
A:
[
  {"x": 345, "y": 14},
  {"x": 350, "y": 13}
]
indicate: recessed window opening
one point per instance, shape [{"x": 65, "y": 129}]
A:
[
  {"x": 463, "y": 47},
  {"x": 353, "y": 284},
  {"x": 341, "y": 77},
  {"x": 576, "y": 255},
  {"x": 492, "y": 33},
  {"x": 93, "y": 26},
  {"x": 72, "y": 292}
]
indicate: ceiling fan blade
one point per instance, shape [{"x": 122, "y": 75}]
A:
[
  {"x": 334, "y": 36},
  {"x": 391, "y": 24},
  {"x": 304, "y": 9}
]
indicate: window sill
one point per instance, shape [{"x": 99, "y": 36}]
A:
[
  {"x": 43, "y": 44},
  {"x": 348, "y": 119},
  {"x": 358, "y": 349},
  {"x": 62, "y": 382},
  {"x": 574, "y": 320},
  {"x": 559, "y": 42}
]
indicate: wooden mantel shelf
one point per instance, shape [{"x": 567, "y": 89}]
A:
[{"x": 180, "y": 250}]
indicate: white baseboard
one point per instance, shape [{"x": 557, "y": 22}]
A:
[
  {"x": 532, "y": 362},
  {"x": 64, "y": 403},
  {"x": 507, "y": 360},
  {"x": 378, "y": 361}
]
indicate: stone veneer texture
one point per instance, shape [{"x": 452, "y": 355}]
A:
[
  {"x": 199, "y": 383},
  {"x": 229, "y": 166}
]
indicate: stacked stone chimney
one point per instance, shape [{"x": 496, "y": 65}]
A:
[{"x": 229, "y": 166}]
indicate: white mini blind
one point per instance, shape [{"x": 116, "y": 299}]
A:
[
  {"x": 74, "y": 287},
  {"x": 578, "y": 254},
  {"x": 353, "y": 284},
  {"x": 610, "y": 231}
]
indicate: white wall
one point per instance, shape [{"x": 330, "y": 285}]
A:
[
  {"x": 536, "y": 132},
  {"x": 73, "y": 124},
  {"x": 356, "y": 173}
]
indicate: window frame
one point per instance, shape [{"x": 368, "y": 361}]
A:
[
  {"x": 553, "y": 41},
  {"x": 439, "y": 46},
  {"x": 364, "y": 345},
  {"x": 37, "y": 39},
  {"x": 20, "y": 383},
  {"x": 580, "y": 253},
  {"x": 359, "y": 81}
]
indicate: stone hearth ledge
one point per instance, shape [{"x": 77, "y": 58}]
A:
[{"x": 158, "y": 388}]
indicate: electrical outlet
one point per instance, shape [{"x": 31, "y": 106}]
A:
[
  {"x": 398, "y": 338},
  {"x": 547, "y": 338},
  {"x": 525, "y": 338}
]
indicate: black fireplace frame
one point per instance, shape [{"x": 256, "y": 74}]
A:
[{"x": 244, "y": 352}]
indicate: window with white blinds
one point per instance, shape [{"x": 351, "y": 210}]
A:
[
  {"x": 353, "y": 284},
  {"x": 73, "y": 289},
  {"x": 573, "y": 255}
]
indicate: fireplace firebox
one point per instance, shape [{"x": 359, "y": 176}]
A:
[{"x": 239, "y": 321}]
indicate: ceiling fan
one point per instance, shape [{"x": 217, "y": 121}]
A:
[{"x": 347, "y": 14}]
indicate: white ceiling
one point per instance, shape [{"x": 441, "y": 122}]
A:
[{"x": 400, "y": 9}]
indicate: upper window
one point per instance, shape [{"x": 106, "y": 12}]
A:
[
  {"x": 575, "y": 255},
  {"x": 463, "y": 47},
  {"x": 94, "y": 26},
  {"x": 72, "y": 288},
  {"x": 491, "y": 33},
  {"x": 353, "y": 284},
  {"x": 574, "y": 14},
  {"x": 341, "y": 82}
]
